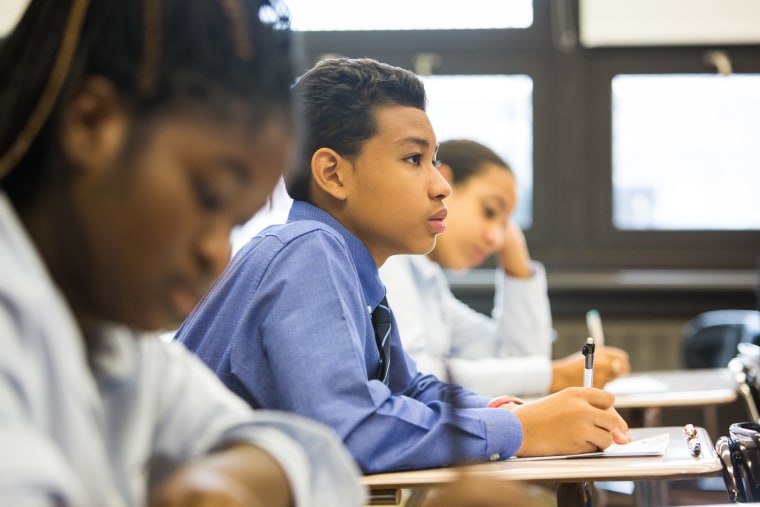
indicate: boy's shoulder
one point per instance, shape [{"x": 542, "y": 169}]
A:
[
  {"x": 299, "y": 238},
  {"x": 292, "y": 230},
  {"x": 298, "y": 231}
]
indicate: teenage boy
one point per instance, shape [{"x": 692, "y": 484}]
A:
[{"x": 289, "y": 325}]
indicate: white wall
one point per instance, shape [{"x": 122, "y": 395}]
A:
[{"x": 668, "y": 22}]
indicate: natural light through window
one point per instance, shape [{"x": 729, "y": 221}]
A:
[
  {"x": 685, "y": 152},
  {"x": 496, "y": 110},
  {"x": 310, "y": 15}
]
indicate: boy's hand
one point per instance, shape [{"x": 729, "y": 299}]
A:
[
  {"x": 609, "y": 364},
  {"x": 239, "y": 476},
  {"x": 514, "y": 257},
  {"x": 572, "y": 421}
]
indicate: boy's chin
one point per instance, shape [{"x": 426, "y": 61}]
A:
[{"x": 424, "y": 249}]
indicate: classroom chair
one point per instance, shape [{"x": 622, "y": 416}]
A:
[
  {"x": 740, "y": 459},
  {"x": 746, "y": 369},
  {"x": 710, "y": 339}
]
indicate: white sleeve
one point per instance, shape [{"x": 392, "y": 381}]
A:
[
  {"x": 202, "y": 413},
  {"x": 33, "y": 470},
  {"x": 479, "y": 361},
  {"x": 434, "y": 324},
  {"x": 523, "y": 313},
  {"x": 491, "y": 376},
  {"x": 416, "y": 315}
]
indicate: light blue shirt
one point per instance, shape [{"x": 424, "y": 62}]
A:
[
  {"x": 508, "y": 352},
  {"x": 288, "y": 326},
  {"x": 97, "y": 428}
]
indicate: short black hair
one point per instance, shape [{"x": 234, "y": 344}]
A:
[{"x": 337, "y": 100}]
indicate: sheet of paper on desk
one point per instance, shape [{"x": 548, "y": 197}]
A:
[
  {"x": 636, "y": 384},
  {"x": 651, "y": 446}
]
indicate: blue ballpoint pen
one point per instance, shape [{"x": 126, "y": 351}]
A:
[{"x": 588, "y": 362}]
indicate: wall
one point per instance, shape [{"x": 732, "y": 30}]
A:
[{"x": 10, "y": 12}]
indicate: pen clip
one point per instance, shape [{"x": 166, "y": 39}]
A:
[{"x": 588, "y": 353}]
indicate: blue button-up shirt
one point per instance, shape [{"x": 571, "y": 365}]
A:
[{"x": 288, "y": 326}]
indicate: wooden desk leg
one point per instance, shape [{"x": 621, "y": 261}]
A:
[{"x": 574, "y": 494}]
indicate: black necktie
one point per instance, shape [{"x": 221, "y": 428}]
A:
[{"x": 381, "y": 321}]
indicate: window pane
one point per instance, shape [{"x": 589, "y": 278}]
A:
[
  {"x": 310, "y": 15},
  {"x": 685, "y": 152},
  {"x": 496, "y": 110},
  {"x": 10, "y": 13}
]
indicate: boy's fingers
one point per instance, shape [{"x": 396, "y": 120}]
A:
[
  {"x": 600, "y": 398},
  {"x": 620, "y": 437}
]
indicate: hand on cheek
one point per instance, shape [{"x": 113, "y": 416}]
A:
[{"x": 514, "y": 257}]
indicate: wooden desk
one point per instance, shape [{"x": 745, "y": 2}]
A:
[
  {"x": 647, "y": 392},
  {"x": 677, "y": 463},
  {"x": 674, "y": 388}
]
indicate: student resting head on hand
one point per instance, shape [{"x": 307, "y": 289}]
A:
[{"x": 508, "y": 351}]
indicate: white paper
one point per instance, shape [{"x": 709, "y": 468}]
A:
[
  {"x": 651, "y": 446},
  {"x": 636, "y": 384}
]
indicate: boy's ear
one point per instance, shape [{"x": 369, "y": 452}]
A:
[
  {"x": 447, "y": 173},
  {"x": 328, "y": 172},
  {"x": 94, "y": 125}
]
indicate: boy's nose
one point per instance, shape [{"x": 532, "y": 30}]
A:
[{"x": 439, "y": 186}]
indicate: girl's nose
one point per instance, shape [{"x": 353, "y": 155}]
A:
[{"x": 494, "y": 235}]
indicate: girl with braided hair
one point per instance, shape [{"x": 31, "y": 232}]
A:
[{"x": 133, "y": 136}]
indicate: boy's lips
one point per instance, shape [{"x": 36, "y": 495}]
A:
[{"x": 437, "y": 221}]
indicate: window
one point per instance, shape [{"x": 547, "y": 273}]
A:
[
  {"x": 10, "y": 13},
  {"x": 700, "y": 169},
  {"x": 599, "y": 136},
  {"x": 496, "y": 110},
  {"x": 308, "y": 15}
]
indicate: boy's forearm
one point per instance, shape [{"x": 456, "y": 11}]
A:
[{"x": 238, "y": 476}]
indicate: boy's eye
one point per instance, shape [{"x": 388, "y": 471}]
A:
[{"x": 489, "y": 212}]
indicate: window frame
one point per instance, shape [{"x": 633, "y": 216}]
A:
[
  {"x": 655, "y": 249},
  {"x": 572, "y": 227}
]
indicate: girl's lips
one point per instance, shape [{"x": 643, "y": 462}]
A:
[{"x": 479, "y": 258}]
